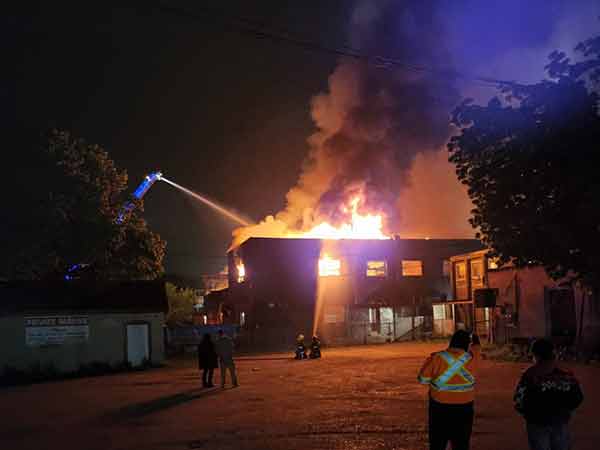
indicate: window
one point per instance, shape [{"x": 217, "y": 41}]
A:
[
  {"x": 477, "y": 269},
  {"x": 329, "y": 267},
  {"x": 439, "y": 312},
  {"x": 376, "y": 269},
  {"x": 412, "y": 268},
  {"x": 241, "y": 272},
  {"x": 477, "y": 272},
  {"x": 461, "y": 271},
  {"x": 242, "y": 319},
  {"x": 446, "y": 268}
]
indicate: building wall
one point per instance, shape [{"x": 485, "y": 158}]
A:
[
  {"x": 106, "y": 342},
  {"x": 282, "y": 292},
  {"x": 525, "y": 290},
  {"x": 525, "y": 287}
]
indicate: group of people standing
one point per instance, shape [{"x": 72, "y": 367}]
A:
[
  {"x": 216, "y": 354},
  {"x": 546, "y": 395}
]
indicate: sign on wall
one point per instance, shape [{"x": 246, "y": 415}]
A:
[{"x": 55, "y": 330}]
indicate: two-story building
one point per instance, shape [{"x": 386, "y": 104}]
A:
[{"x": 346, "y": 291}]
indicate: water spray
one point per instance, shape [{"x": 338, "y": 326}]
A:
[{"x": 207, "y": 202}]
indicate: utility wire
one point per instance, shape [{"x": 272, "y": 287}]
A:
[{"x": 258, "y": 30}]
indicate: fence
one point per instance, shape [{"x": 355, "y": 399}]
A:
[{"x": 367, "y": 332}]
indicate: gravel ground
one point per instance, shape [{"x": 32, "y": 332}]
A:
[{"x": 354, "y": 398}]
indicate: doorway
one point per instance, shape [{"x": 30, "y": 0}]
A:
[{"x": 138, "y": 344}]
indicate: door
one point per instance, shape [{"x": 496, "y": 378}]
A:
[
  {"x": 138, "y": 344},
  {"x": 561, "y": 321}
]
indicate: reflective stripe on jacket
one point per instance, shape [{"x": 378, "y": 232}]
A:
[{"x": 450, "y": 375}]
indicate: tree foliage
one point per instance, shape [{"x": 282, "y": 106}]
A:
[
  {"x": 70, "y": 217},
  {"x": 529, "y": 160},
  {"x": 181, "y": 304}
]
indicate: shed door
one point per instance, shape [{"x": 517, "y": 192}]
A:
[
  {"x": 138, "y": 344},
  {"x": 560, "y": 311}
]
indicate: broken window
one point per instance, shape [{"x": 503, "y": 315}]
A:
[
  {"x": 412, "y": 268},
  {"x": 376, "y": 269}
]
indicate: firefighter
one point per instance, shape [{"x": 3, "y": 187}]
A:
[
  {"x": 315, "y": 348},
  {"x": 300, "y": 347},
  {"x": 450, "y": 375}
]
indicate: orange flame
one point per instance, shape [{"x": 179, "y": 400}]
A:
[
  {"x": 241, "y": 272},
  {"x": 369, "y": 226},
  {"x": 359, "y": 226}
]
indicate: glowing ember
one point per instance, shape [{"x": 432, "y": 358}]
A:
[
  {"x": 329, "y": 267},
  {"x": 241, "y": 271},
  {"x": 367, "y": 226}
]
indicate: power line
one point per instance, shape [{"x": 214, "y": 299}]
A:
[{"x": 257, "y": 29}]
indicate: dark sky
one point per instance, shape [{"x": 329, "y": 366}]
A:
[{"x": 218, "y": 111}]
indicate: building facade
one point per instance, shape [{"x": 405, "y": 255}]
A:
[
  {"x": 509, "y": 303},
  {"x": 66, "y": 326},
  {"x": 346, "y": 291}
]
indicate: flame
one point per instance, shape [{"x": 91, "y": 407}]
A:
[
  {"x": 241, "y": 271},
  {"x": 368, "y": 226},
  {"x": 358, "y": 226},
  {"x": 329, "y": 267}
]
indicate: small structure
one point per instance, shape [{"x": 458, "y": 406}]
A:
[
  {"x": 65, "y": 326},
  {"x": 509, "y": 303}
]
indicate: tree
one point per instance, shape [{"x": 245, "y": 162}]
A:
[
  {"x": 528, "y": 159},
  {"x": 181, "y": 304},
  {"x": 69, "y": 217}
]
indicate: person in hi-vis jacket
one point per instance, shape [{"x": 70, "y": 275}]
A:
[{"x": 450, "y": 375}]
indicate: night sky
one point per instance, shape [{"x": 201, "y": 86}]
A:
[{"x": 221, "y": 112}]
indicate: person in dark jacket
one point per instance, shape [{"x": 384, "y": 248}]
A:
[
  {"x": 300, "y": 347},
  {"x": 315, "y": 348},
  {"x": 546, "y": 396},
  {"x": 207, "y": 360}
]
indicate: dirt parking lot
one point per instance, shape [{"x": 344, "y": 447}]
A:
[{"x": 354, "y": 398}]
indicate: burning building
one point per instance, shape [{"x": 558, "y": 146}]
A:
[
  {"x": 326, "y": 262},
  {"x": 346, "y": 290}
]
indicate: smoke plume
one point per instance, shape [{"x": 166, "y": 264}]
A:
[{"x": 372, "y": 121}]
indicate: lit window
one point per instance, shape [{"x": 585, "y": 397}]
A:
[
  {"x": 242, "y": 319},
  {"x": 412, "y": 268},
  {"x": 376, "y": 269},
  {"x": 461, "y": 271},
  {"x": 477, "y": 269},
  {"x": 241, "y": 271},
  {"x": 329, "y": 267}
]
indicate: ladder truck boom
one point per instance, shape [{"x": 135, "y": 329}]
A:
[{"x": 139, "y": 194}]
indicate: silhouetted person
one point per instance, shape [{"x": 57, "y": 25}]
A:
[
  {"x": 300, "y": 347},
  {"x": 546, "y": 396},
  {"x": 224, "y": 347},
  {"x": 315, "y": 348},
  {"x": 207, "y": 360},
  {"x": 450, "y": 375}
]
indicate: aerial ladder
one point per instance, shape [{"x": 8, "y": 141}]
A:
[{"x": 138, "y": 194}]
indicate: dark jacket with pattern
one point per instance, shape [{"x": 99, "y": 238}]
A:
[{"x": 547, "y": 394}]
